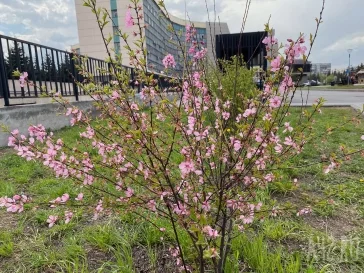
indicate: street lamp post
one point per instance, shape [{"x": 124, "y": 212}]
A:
[{"x": 349, "y": 51}]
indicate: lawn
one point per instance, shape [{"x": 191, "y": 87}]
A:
[
  {"x": 331, "y": 239},
  {"x": 339, "y": 87}
]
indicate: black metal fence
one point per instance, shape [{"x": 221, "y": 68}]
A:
[
  {"x": 51, "y": 69},
  {"x": 247, "y": 44},
  {"x": 48, "y": 69}
]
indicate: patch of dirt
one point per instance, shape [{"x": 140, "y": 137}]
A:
[
  {"x": 5, "y": 151},
  {"x": 342, "y": 223},
  {"x": 164, "y": 262},
  {"x": 96, "y": 258},
  {"x": 337, "y": 226},
  {"x": 8, "y": 221},
  {"x": 293, "y": 245}
]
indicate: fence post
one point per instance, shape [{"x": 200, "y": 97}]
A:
[
  {"x": 73, "y": 71},
  {"x": 4, "y": 86}
]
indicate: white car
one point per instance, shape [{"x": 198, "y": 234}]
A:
[{"x": 307, "y": 84}]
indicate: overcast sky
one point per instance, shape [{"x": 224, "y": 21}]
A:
[{"x": 53, "y": 22}]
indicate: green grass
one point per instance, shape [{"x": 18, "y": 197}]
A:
[
  {"x": 313, "y": 243},
  {"x": 338, "y": 87}
]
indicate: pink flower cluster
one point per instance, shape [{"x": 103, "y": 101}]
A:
[
  {"x": 304, "y": 211},
  {"x": 60, "y": 200},
  {"x": 23, "y": 79},
  {"x": 128, "y": 19},
  {"x": 269, "y": 41},
  {"x": 14, "y": 204},
  {"x": 212, "y": 233},
  {"x": 295, "y": 49},
  {"x": 169, "y": 61},
  {"x": 76, "y": 115}
]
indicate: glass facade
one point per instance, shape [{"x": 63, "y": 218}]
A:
[
  {"x": 160, "y": 40},
  {"x": 115, "y": 23}
]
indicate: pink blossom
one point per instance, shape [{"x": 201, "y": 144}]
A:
[
  {"x": 267, "y": 88},
  {"x": 287, "y": 127},
  {"x": 275, "y": 102},
  {"x": 274, "y": 212},
  {"x": 115, "y": 95},
  {"x": 192, "y": 50},
  {"x": 269, "y": 177},
  {"x": 206, "y": 206},
  {"x": 278, "y": 148},
  {"x": 304, "y": 211},
  {"x": 362, "y": 137},
  {"x": 68, "y": 215},
  {"x": 238, "y": 118},
  {"x": 65, "y": 197},
  {"x": 161, "y": 117},
  {"x": 134, "y": 106},
  {"x": 267, "y": 116},
  {"x": 180, "y": 209},
  {"x": 152, "y": 205},
  {"x": 260, "y": 163},
  {"x": 237, "y": 145},
  {"x": 12, "y": 141},
  {"x": 99, "y": 208},
  {"x": 79, "y": 197},
  {"x": 275, "y": 64},
  {"x": 129, "y": 192},
  {"x": 330, "y": 167},
  {"x": 200, "y": 54},
  {"x": 23, "y": 78},
  {"x": 169, "y": 61},
  {"x": 269, "y": 41},
  {"x": 247, "y": 219},
  {"x": 212, "y": 233},
  {"x": 225, "y": 115},
  {"x": 288, "y": 141},
  {"x": 128, "y": 19},
  {"x": 186, "y": 167},
  {"x": 52, "y": 220},
  {"x": 249, "y": 112}
]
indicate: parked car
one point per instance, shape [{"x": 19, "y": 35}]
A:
[
  {"x": 314, "y": 83},
  {"x": 259, "y": 83},
  {"x": 307, "y": 84}
]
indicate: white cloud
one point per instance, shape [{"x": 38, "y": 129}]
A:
[
  {"x": 53, "y": 22},
  {"x": 354, "y": 41}
]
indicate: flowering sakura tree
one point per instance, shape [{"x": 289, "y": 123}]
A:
[{"x": 192, "y": 160}]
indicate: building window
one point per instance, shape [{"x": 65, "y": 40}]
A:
[
  {"x": 114, "y": 13},
  {"x": 117, "y": 47}
]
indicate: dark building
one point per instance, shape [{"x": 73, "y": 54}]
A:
[
  {"x": 300, "y": 71},
  {"x": 300, "y": 64},
  {"x": 247, "y": 44}
]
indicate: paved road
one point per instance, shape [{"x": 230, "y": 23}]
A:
[{"x": 337, "y": 97}]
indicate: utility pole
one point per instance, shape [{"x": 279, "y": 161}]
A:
[{"x": 349, "y": 51}]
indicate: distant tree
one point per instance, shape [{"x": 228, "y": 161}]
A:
[
  {"x": 330, "y": 78},
  {"x": 49, "y": 70},
  {"x": 17, "y": 60},
  {"x": 359, "y": 67},
  {"x": 65, "y": 69}
]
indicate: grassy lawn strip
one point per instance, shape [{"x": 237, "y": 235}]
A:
[
  {"x": 338, "y": 87},
  {"x": 331, "y": 239}
]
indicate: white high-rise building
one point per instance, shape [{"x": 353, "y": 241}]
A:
[
  {"x": 321, "y": 68},
  {"x": 159, "y": 41}
]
